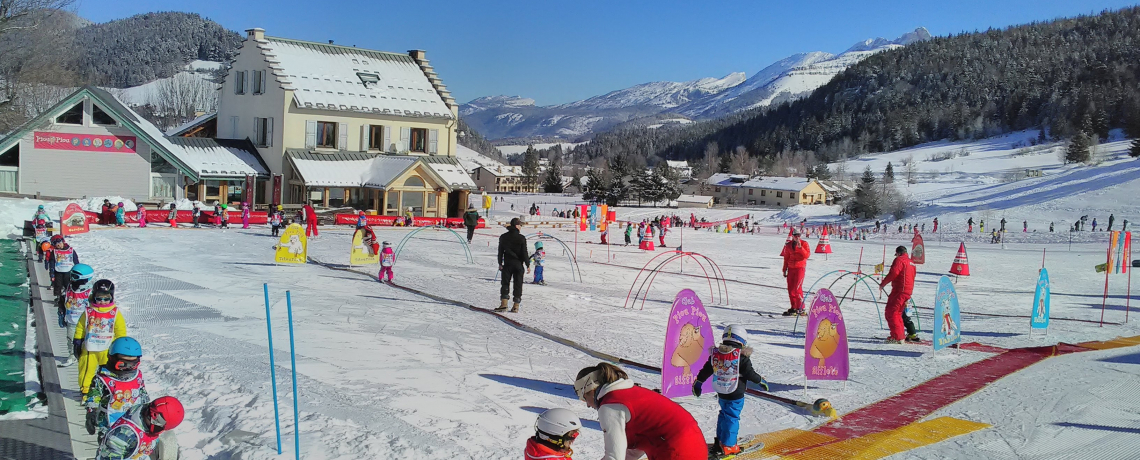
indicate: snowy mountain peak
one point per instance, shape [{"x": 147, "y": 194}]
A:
[
  {"x": 495, "y": 102},
  {"x": 871, "y": 44}
]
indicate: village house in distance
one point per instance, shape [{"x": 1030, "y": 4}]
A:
[
  {"x": 780, "y": 192},
  {"x": 503, "y": 179}
]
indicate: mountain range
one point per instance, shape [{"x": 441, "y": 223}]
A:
[{"x": 499, "y": 117}]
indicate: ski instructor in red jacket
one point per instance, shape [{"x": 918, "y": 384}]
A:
[
  {"x": 901, "y": 279},
  {"x": 795, "y": 254},
  {"x": 310, "y": 220}
]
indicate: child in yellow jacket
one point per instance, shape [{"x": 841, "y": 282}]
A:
[{"x": 98, "y": 326}]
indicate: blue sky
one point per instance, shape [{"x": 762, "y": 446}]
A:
[{"x": 560, "y": 51}]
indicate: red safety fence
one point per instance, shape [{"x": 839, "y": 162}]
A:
[
  {"x": 160, "y": 215},
  {"x": 722, "y": 222},
  {"x": 390, "y": 221}
]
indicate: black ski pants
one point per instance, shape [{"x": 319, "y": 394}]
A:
[
  {"x": 910, "y": 330},
  {"x": 470, "y": 233},
  {"x": 513, "y": 273}
]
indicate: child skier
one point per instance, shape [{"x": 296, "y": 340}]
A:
[
  {"x": 120, "y": 215},
  {"x": 42, "y": 239},
  {"x": 225, "y": 221},
  {"x": 361, "y": 220},
  {"x": 387, "y": 260},
  {"x": 244, "y": 215},
  {"x": 62, "y": 259},
  {"x": 275, "y": 219},
  {"x": 172, "y": 217},
  {"x": 628, "y": 233},
  {"x": 140, "y": 215},
  {"x": 538, "y": 257},
  {"x": 554, "y": 432},
  {"x": 41, "y": 213},
  {"x": 606, "y": 235},
  {"x": 730, "y": 362},
  {"x": 97, "y": 327},
  {"x": 369, "y": 240},
  {"x": 74, "y": 303},
  {"x": 217, "y": 214},
  {"x": 136, "y": 433},
  {"x": 117, "y": 387}
]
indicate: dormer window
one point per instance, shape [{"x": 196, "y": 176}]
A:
[{"x": 368, "y": 78}]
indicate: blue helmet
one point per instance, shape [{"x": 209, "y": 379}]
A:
[
  {"x": 125, "y": 346},
  {"x": 81, "y": 275}
]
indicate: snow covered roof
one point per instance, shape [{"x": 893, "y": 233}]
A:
[
  {"x": 727, "y": 180},
  {"x": 357, "y": 169},
  {"x": 451, "y": 172},
  {"x": 470, "y": 159},
  {"x": 342, "y": 78},
  {"x": 694, "y": 199},
  {"x": 220, "y": 157},
  {"x": 792, "y": 184},
  {"x": 504, "y": 171},
  {"x": 677, "y": 164},
  {"x": 183, "y": 128}
]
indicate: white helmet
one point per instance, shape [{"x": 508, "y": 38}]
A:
[
  {"x": 555, "y": 424},
  {"x": 736, "y": 334}
]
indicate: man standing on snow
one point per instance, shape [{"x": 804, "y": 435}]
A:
[
  {"x": 935, "y": 225},
  {"x": 310, "y": 220},
  {"x": 512, "y": 256},
  {"x": 1111, "y": 219},
  {"x": 901, "y": 279},
  {"x": 970, "y": 225},
  {"x": 1002, "y": 225},
  {"x": 471, "y": 220},
  {"x": 795, "y": 253}
]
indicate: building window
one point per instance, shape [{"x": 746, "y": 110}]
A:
[
  {"x": 239, "y": 82},
  {"x": 235, "y": 191},
  {"x": 261, "y": 131},
  {"x": 418, "y": 140},
  {"x": 762, "y": 202},
  {"x": 258, "y": 85},
  {"x": 375, "y": 137},
  {"x": 73, "y": 116},
  {"x": 99, "y": 117},
  {"x": 749, "y": 191},
  {"x": 791, "y": 194},
  {"x": 763, "y": 193},
  {"x": 779, "y": 194},
  {"x": 213, "y": 189},
  {"x": 326, "y": 134},
  {"x": 718, "y": 189}
]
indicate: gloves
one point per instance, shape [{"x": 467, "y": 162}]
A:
[
  {"x": 90, "y": 422},
  {"x": 61, "y": 322},
  {"x": 785, "y": 273},
  {"x": 697, "y": 388},
  {"x": 77, "y": 346},
  {"x": 763, "y": 384}
]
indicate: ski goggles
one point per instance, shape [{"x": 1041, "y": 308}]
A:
[
  {"x": 126, "y": 365},
  {"x": 102, "y": 299}
]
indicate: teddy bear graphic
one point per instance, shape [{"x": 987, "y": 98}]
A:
[{"x": 690, "y": 345}]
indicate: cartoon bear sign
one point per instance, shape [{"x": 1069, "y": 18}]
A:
[{"x": 293, "y": 247}]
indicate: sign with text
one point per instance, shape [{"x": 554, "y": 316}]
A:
[
  {"x": 84, "y": 142},
  {"x": 74, "y": 221},
  {"x": 825, "y": 340},
  {"x": 293, "y": 247},
  {"x": 362, "y": 251},
  {"x": 917, "y": 250},
  {"x": 687, "y": 340},
  {"x": 1040, "y": 318},
  {"x": 947, "y": 322}
]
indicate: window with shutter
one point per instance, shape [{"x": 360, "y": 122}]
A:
[
  {"x": 433, "y": 141},
  {"x": 376, "y": 137},
  {"x": 387, "y": 145},
  {"x": 364, "y": 138},
  {"x": 258, "y": 81},
  {"x": 326, "y": 134},
  {"x": 310, "y": 134},
  {"x": 342, "y": 138},
  {"x": 239, "y": 82},
  {"x": 234, "y": 127},
  {"x": 418, "y": 141},
  {"x": 269, "y": 132},
  {"x": 404, "y": 134}
]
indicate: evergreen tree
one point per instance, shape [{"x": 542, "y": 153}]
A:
[
  {"x": 889, "y": 174},
  {"x": 1135, "y": 150},
  {"x": 597, "y": 186},
  {"x": 576, "y": 179},
  {"x": 530, "y": 166},
  {"x": 670, "y": 181},
  {"x": 552, "y": 182},
  {"x": 819, "y": 172},
  {"x": 866, "y": 202},
  {"x": 1078, "y": 150}
]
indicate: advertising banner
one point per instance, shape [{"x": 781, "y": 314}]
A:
[
  {"x": 1119, "y": 252},
  {"x": 603, "y": 218},
  {"x": 249, "y": 194},
  {"x": 688, "y": 338},
  {"x": 947, "y": 322},
  {"x": 276, "y": 198},
  {"x": 293, "y": 247},
  {"x": 593, "y": 217},
  {"x": 361, "y": 254},
  {"x": 1040, "y": 318},
  {"x": 825, "y": 340},
  {"x": 84, "y": 142},
  {"x": 74, "y": 221},
  {"x": 583, "y": 217},
  {"x": 917, "y": 250}
]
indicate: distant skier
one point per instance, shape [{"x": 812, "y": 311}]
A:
[
  {"x": 1025, "y": 226},
  {"x": 116, "y": 388},
  {"x": 244, "y": 215},
  {"x": 135, "y": 435},
  {"x": 901, "y": 278},
  {"x": 731, "y": 365},
  {"x": 276, "y": 219},
  {"x": 605, "y": 235},
  {"x": 1111, "y": 219},
  {"x": 471, "y": 221},
  {"x": 120, "y": 215},
  {"x": 935, "y": 225},
  {"x": 387, "y": 261},
  {"x": 196, "y": 214},
  {"x": 62, "y": 260},
  {"x": 310, "y": 220},
  {"x": 43, "y": 240},
  {"x": 628, "y": 233},
  {"x": 554, "y": 433},
  {"x": 795, "y": 253},
  {"x": 1050, "y": 227},
  {"x": 970, "y": 223},
  {"x": 41, "y": 213},
  {"x": 1002, "y": 225},
  {"x": 661, "y": 234},
  {"x": 1094, "y": 224},
  {"x": 172, "y": 216},
  {"x": 140, "y": 215},
  {"x": 982, "y": 226},
  {"x": 539, "y": 258},
  {"x": 225, "y": 216}
]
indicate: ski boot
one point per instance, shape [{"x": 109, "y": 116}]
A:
[
  {"x": 502, "y": 306},
  {"x": 912, "y": 338},
  {"x": 714, "y": 448},
  {"x": 514, "y": 308},
  {"x": 892, "y": 341}
]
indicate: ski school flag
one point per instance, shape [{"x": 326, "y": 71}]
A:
[
  {"x": 593, "y": 217},
  {"x": 947, "y": 321},
  {"x": 603, "y": 218},
  {"x": 360, "y": 253},
  {"x": 688, "y": 338},
  {"x": 583, "y": 216},
  {"x": 1119, "y": 252},
  {"x": 825, "y": 340},
  {"x": 918, "y": 250},
  {"x": 1040, "y": 318},
  {"x": 293, "y": 247}
]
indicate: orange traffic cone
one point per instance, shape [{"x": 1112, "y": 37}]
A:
[
  {"x": 824, "y": 246},
  {"x": 961, "y": 266}
]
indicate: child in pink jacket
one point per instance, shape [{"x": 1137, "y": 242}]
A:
[{"x": 387, "y": 260}]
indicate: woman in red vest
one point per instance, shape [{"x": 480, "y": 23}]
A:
[{"x": 636, "y": 420}]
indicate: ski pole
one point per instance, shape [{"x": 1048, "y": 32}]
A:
[
  {"x": 293, "y": 359},
  {"x": 272, "y": 371}
]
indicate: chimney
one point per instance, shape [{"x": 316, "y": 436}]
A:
[
  {"x": 330, "y": 42},
  {"x": 255, "y": 33},
  {"x": 417, "y": 55}
]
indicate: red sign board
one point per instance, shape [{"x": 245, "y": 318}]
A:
[
  {"x": 74, "y": 221},
  {"x": 276, "y": 198},
  {"x": 84, "y": 142}
]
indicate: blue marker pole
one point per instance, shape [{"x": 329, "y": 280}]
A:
[
  {"x": 272, "y": 371},
  {"x": 293, "y": 359}
]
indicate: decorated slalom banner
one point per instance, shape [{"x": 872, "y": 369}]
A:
[
  {"x": 74, "y": 221},
  {"x": 293, "y": 247},
  {"x": 361, "y": 254},
  {"x": 1119, "y": 253},
  {"x": 583, "y": 217},
  {"x": 917, "y": 250},
  {"x": 961, "y": 265},
  {"x": 688, "y": 338},
  {"x": 947, "y": 321},
  {"x": 1040, "y": 317},
  {"x": 825, "y": 340}
]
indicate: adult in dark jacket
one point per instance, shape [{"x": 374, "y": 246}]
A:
[
  {"x": 471, "y": 220},
  {"x": 513, "y": 256},
  {"x": 901, "y": 279}
]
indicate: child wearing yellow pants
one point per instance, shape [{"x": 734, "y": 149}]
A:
[{"x": 99, "y": 325}]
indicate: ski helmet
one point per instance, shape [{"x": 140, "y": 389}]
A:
[
  {"x": 81, "y": 276},
  {"x": 558, "y": 427},
  {"x": 386, "y": 244},
  {"x": 57, "y": 239},
  {"x": 125, "y": 346},
  {"x": 102, "y": 289},
  {"x": 163, "y": 414},
  {"x": 736, "y": 334},
  {"x": 40, "y": 208},
  {"x": 538, "y": 245}
]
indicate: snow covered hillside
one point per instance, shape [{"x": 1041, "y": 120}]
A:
[
  {"x": 148, "y": 93},
  {"x": 789, "y": 78},
  {"x": 471, "y": 160}
]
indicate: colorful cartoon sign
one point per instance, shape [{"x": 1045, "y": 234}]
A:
[
  {"x": 293, "y": 247},
  {"x": 947, "y": 321},
  {"x": 593, "y": 217},
  {"x": 74, "y": 221},
  {"x": 1119, "y": 252},
  {"x": 688, "y": 338},
  {"x": 603, "y": 221},
  {"x": 1040, "y": 318},
  {"x": 84, "y": 142},
  {"x": 825, "y": 340},
  {"x": 917, "y": 250},
  {"x": 362, "y": 253}
]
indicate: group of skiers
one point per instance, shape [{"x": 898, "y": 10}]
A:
[{"x": 119, "y": 411}]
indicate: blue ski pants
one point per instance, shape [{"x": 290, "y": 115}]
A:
[
  {"x": 728, "y": 422},
  {"x": 538, "y": 274}
]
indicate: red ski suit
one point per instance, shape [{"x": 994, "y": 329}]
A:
[
  {"x": 795, "y": 265},
  {"x": 901, "y": 279},
  {"x": 538, "y": 451},
  {"x": 310, "y": 221},
  {"x": 657, "y": 426}
]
